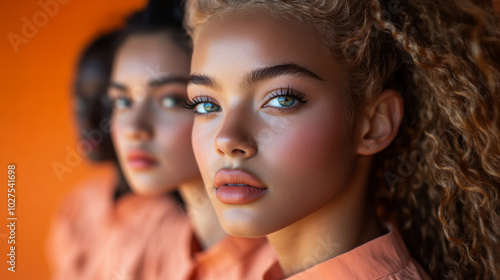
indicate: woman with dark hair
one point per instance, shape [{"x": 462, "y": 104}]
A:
[{"x": 152, "y": 136}]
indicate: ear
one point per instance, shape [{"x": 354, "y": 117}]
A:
[{"x": 378, "y": 123}]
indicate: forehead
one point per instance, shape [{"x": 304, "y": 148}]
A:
[
  {"x": 257, "y": 38},
  {"x": 153, "y": 55}
]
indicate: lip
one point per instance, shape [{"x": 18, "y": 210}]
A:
[
  {"x": 138, "y": 159},
  {"x": 236, "y": 186}
]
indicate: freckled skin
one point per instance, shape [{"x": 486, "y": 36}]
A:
[{"x": 147, "y": 124}]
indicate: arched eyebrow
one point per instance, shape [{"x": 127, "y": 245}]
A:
[
  {"x": 203, "y": 80},
  {"x": 117, "y": 86},
  {"x": 152, "y": 84},
  {"x": 168, "y": 80},
  {"x": 258, "y": 75},
  {"x": 280, "y": 70}
]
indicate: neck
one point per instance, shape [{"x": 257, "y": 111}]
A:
[
  {"x": 340, "y": 226},
  {"x": 122, "y": 186},
  {"x": 201, "y": 213}
]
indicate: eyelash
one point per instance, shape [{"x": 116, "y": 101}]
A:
[
  {"x": 191, "y": 104},
  {"x": 282, "y": 92},
  {"x": 177, "y": 99},
  {"x": 287, "y": 92},
  {"x": 114, "y": 101}
]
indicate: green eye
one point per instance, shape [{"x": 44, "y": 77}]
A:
[
  {"x": 207, "y": 107},
  {"x": 202, "y": 105},
  {"x": 122, "y": 103},
  {"x": 282, "y": 101}
]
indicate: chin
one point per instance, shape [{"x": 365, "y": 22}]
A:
[
  {"x": 242, "y": 223},
  {"x": 148, "y": 191},
  {"x": 244, "y": 231}
]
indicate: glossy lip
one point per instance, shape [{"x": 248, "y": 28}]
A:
[
  {"x": 236, "y": 186},
  {"x": 138, "y": 159}
]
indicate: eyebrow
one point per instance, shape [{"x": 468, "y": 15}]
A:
[
  {"x": 203, "y": 80},
  {"x": 168, "y": 80},
  {"x": 280, "y": 70},
  {"x": 118, "y": 86},
  {"x": 259, "y": 75},
  {"x": 153, "y": 83}
]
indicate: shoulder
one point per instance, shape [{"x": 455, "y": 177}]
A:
[
  {"x": 87, "y": 205},
  {"x": 411, "y": 271},
  {"x": 384, "y": 258},
  {"x": 91, "y": 194}
]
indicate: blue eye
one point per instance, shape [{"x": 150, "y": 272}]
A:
[
  {"x": 206, "y": 107},
  {"x": 285, "y": 98},
  {"x": 282, "y": 101},
  {"x": 121, "y": 103},
  {"x": 202, "y": 105}
]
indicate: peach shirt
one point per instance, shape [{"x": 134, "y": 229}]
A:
[
  {"x": 233, "y": 258},
  {"x": 136, "y": 237},
  {"x": 384, "y": 258},
  {"x": 94, "y": 237}
]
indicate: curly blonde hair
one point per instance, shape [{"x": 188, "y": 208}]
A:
[{"x": 439, "y": 180}]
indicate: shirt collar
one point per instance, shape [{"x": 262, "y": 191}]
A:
[{"x": 372, "y": 260}]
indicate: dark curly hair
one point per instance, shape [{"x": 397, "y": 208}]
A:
[{"x": 439, "y": 180}]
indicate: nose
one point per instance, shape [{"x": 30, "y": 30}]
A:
[
  {"x": 139, "y": 126},
  {"x": 234, "y": 139}
]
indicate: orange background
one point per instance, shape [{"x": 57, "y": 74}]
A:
[{"x": 36, "y": 119}]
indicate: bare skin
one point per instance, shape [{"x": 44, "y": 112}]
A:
[
  {"x": 271, "y": 102},
  {"x": 201, "y": 214},
  {"x": 152, "y": 131}
]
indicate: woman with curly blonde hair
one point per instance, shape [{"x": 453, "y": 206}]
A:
[{"x": 361, "y": 137}]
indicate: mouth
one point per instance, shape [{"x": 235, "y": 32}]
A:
[
  {"x": 138, "y": 159},
  {"x": 236, "y": 186}
]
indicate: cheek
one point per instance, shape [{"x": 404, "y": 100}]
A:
[
  {"x": 117, "y": 136},
  {"x": 175, "y": 136},
  {"x": 311, "y": 157},
  {"x": 310, "y": 144},
  {"x": 203, "y": 141}
]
